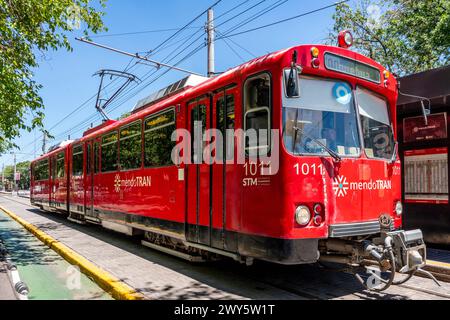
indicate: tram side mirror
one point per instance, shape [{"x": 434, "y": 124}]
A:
[{"x": 291, "y": 78}]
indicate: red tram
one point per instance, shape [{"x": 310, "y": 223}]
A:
[{"x": 327, "y": 186}]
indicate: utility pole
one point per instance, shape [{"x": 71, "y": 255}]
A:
[
  {"x": 44, "y": 142},
  {"x": 210, "y": 42},
  {"x": 15, "y": 172}
]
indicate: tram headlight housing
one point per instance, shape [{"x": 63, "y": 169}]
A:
[
  {"x": 345, "y": 39},
  {"x": 302, "y": 215},
  {"x": 398, "y": 208}
]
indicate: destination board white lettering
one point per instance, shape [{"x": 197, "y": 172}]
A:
[{"x": 351, "y": 67}]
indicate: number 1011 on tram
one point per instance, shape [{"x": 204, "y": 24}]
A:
[{"x": 316, "y": 176}]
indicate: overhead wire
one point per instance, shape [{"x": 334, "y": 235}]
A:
[
  {"x": 150, "y": 73},
  {"x": 287, "y": 19},
  {"x": 258, "y": 14}
]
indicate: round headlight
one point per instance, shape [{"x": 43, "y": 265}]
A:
[
  {"x": 398, "y": 208},
  {"x": 302, "y": 215},
  {"x": 345, "y": 39}
]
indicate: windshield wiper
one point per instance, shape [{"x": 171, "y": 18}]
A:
[{"x": 333, "y": 154}]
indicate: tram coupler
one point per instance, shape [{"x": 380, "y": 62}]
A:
[
  {"x": 394, "y": 251},
  {"x": 409, "y": 249}
]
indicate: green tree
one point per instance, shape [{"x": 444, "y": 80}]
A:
[
  {"x": 406, "y": 36},
  {"x": 125, "y": 115},
  {"x": 24, "y": 169},
  {"x": 29, "y": 28}
]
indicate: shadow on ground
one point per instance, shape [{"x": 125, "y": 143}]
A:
[{"x": 215, "y": 278}]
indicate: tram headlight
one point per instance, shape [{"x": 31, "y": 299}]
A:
[
  {"x": 302, "y": 215},
  {"x": 345, "y": 39},
  {"x": 398, "y": 208}
]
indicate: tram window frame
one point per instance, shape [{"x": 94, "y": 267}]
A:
[
  {"x": 88, "y": 157},
  {"x": 96, "y": 157},
  {"x": 39, "y": 173},
  {"x": 112, "y": 166},
  {"x": 198, "y": 114},
  {"x": 222, "y": 119},
  {"x": 370, "y": 154},
  {"x": 60, "y": 171},
  {"x": 258, "y": 109},
  {"x": 77, "y": 160},
  {"x": 138, "y": 151},
  {"x": 168, "y": 161}
]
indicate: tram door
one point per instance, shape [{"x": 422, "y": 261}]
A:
[
  {"x": 89, "y": 180},
  {"x": 198, "y": 214},
  {"x": 223, "y": 120},
  {"x": 53, "y": 187}
]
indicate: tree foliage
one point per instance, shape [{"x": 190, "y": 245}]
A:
[
  {"x": 24, "y": 182},
  {"x": 29, "y": 28},
  {"x": 407, "y": 36}
]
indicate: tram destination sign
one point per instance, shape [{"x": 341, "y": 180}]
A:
[{"x": 352, "y": 67}]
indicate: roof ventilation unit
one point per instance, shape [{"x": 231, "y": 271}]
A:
[{"x": 170, "y": 90}]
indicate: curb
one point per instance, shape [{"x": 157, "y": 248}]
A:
[{"x": 118, "y": 289}]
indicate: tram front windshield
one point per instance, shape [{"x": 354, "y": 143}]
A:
[{"x": 323, "y": 113}]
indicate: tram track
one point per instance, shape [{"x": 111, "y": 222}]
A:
[
  {"x": 311, "y": 296},
  {"x": 431, "y": 292}
]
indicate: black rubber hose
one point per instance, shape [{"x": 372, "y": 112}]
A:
[
  {"x": 410, "y": 274},
  {"x": 389, "y": 282}
]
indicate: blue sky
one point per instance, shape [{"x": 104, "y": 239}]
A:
[{"x": 67, "y": 76}]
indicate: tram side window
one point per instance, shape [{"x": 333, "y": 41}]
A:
[
  {"x": 77, "y": 161},
  {"x": 157, "y": 143},
  {"x": 88, "y": 158},
  {"x": 109, "y": 152},
  {"x": 41, "y": 170},
  {"x": 198, "y": 116},
  {"x": 60, "y": 165},
  {"x": 130, "y": 146},
  {"x": 257, "y": 97},
  {"x": 225, "y": 122},
  {"x": 225, "y": 119}
]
